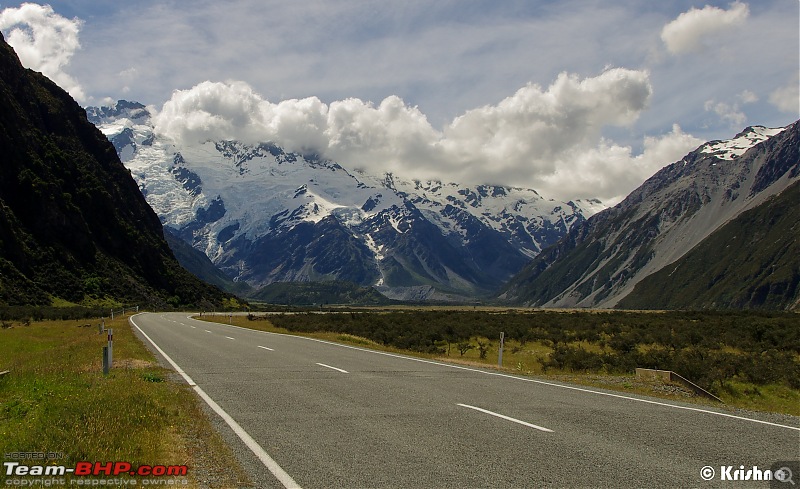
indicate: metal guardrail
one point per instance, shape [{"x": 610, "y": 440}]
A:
[{"x": 121, "y": 312}]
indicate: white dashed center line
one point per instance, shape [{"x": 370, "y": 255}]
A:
[
  {"x": 333, "y": 368},
  {"x": 507, "y": 418}
]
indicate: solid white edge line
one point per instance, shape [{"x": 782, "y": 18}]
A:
[
  {"x": 265, "y": 348},
  {"x": 508, "y": 418},
  {"x": 248, "y": 440},
  {"x": 333, "y": 368},
  {"x": 525, "y": 379}
]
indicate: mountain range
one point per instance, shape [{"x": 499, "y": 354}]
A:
[
  {"x": 717, "y": 229},
  {"x": 74, "y": 227},
  {"x": 263, "y": 215}
]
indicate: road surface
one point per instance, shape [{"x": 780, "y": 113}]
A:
[{"x": 313, "y": 414}]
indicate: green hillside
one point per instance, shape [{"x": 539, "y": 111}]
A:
[{"x": 753, "y": 262}]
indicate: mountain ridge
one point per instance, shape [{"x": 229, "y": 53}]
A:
[
  {"x": 757, "y": 269},
  {"x": 265, "y": 215},
  {"x": 602, "y": 260},
  {"x": 73, "y": 225}
]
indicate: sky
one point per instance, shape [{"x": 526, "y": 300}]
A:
[{"x": 576, "y": 99}]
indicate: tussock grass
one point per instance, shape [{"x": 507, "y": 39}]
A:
[{"x": 771, "y": 397}]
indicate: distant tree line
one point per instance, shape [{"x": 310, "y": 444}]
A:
[{"x": 707, "y": 347}]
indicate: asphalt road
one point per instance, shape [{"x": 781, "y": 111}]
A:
[{"x": 332, "y": 416}]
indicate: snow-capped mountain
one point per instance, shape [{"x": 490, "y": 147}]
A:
[
  {"x": 265, "y": 215},
  {"x": 601, "y": 261}
]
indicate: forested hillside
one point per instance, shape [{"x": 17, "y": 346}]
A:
[{"x": 74, "y": 227}]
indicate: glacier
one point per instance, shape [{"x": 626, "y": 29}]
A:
[{"x": 263, "y": 215}]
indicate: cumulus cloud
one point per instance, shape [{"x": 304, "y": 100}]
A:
[
  {"x": 212, "y": 112},
  {"x": 44, "y": 41},
  {"x": 787, "y": 98},
  {"x": 549, "y": 138},
  {"x": 732, "y": 113},
  {"x": 612, "y": 171},
  {"x": 687, "y": 32},
  {"x": 525, "y": 134},
  {"x": 729, "y": 113},
  {"x": 747, "y": 97},
  {"x": 351, "y": 130},
  {"x": 391, "y": 136}
]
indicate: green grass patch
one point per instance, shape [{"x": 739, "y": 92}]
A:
[
  {"x": 56, "y": 399},
  {"x": 771, "y": 397}
]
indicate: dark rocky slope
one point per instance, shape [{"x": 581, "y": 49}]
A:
[{"x": 73, "y": 224}]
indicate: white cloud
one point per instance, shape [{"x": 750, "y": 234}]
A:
[
  {"x": 214, "y": 111},
  {"x": 389, "y": 137},
  {"x": 298, "y": 123},
  {"x": 728, "y": 113},
  {"x": 548, "y": 139},
  {"x": 612, "y": 171},
  {"x": 44, "y": 41},
  {"x": 687, "y": 32},
  {"x": 747, "y": 97},
  {"x": 732, "y": 114},
  {"x": 787, "y": 98},
  {"x": 536, "y": 125}
]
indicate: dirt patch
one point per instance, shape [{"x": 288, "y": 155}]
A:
[
  {"x": 625, "y": 383},
  {"x": 134, "y": 364}
]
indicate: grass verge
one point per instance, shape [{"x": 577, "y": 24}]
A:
[{"x": 55, "y": 399}]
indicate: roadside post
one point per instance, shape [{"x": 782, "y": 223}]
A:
[
  {"x": 106, "y": 362},
  {"x": 110, "y": 347},
  {"x": 500, "y": 351}
]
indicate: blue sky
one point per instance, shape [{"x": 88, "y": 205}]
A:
[{"x": 460, "y": 69}]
